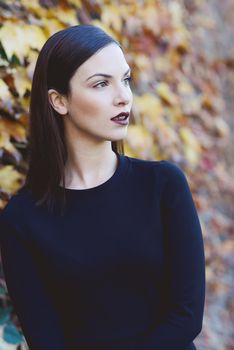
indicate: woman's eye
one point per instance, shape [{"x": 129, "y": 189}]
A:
[
  {"x": 105, "y": 83},
  {"x": 101, "y": 84},
  {"x": 127, "y": 80}
]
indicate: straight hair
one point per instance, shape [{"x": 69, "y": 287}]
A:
[{"x": 57, "y": 62}]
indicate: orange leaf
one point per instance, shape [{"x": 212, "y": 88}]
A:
[{"x": 14, "y": 129}]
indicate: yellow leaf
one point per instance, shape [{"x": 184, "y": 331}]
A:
[
  {"x": 34, "y": 36},
  {"x": 191, "y": 156},
  {"x": 25, "y": 103},
  {"x": 174, "y": 114},
  {"x": 3, "y": 203},
  {"x": 128, "y": 151},
  {"x": 147, "y": 106},
  {"x": 190, "y": 100},
  {"x": 76, "y": 3},
  {"x": 111, "y": 17},
  {"x": 3, "y": 63},
  {"x": 6, "y": 145},
  {"x": 164, "y": 91},
  {"x": 140, "y": 141},
  {"x": 22, "y": 83},
  {"x": 192, "y": 148},
  {"x": 133, "y": 24},
  {"x": 10, "y": 179},
  {"x": 180, "y": 39},
  {"x": 32, "y": 58},
  {"x": 166, "y": 135},
  {"x": 18, "y": 38},
  {"x": 66, "y": 15},
  {"x": 10, "y": 38},
  {"x": 4, "y": 91},
  {"x": 162, "y": 64},
  {"x": 150, "y": 17},
  {"x": 176, "y": 12},
  {"x": 128, "y": 9},
  {"x": 185, "y": 88},
  {"x": 221, "y": 127},
  {"x": 103, "y": 26},
  {"x": 189, "y": 138},
  {"x": 31, "y": 5},
  {"x": 191, "y": 105},
  {"x": 141, "y": 61},
  {"x": 52, "y": 25}
]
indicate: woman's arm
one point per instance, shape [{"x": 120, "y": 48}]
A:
[
  {"x": 186, "y": 265},
  {"x": 38, "y": 319}
]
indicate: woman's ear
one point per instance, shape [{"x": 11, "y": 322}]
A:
[{"x": 57, "y": 101}]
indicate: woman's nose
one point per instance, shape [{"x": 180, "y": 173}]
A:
[{"x": 123, "y": 96}]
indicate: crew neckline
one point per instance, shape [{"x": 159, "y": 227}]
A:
[{"x": 115, "y": 177}]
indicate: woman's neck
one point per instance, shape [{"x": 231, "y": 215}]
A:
[{"x": 87, "y": 168}]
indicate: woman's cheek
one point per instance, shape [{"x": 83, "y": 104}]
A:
[
  {"x": 98, "y": 103},
  {"x": 92, "y": 102}
]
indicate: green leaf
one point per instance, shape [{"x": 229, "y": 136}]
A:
[
  {"x": 15, "y": 60},
  {"x": 5, "y": 315},
  {"x": 2, "y": 52},
  {"x": 11, "y": 334},
  {"x": 3, "y": 291}
]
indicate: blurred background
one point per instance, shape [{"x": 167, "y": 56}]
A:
[{"x": 182, "y": 56}]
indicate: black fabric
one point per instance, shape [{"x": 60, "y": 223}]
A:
[{"x": 124, "y": 269}]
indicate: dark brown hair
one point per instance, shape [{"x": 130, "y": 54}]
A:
[{"x": 57, "y": 62}]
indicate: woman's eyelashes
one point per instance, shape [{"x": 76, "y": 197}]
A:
[
  {"x": 104, "y": 83},
  {"x": 128, "y": 79},
  {"x": 101, "y": 84}
]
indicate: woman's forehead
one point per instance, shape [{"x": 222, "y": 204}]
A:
[{"x": 109, "y": 60}]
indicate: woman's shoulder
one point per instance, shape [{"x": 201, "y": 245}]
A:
[
  {"x": 166, "y": 176},
  {"x": 16, "y": 205},
  {"x": 166, "y": 168},
  {"x": 172, "y": 171}
]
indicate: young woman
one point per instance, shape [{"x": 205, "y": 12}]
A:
[{"x": 100, "y": 251}]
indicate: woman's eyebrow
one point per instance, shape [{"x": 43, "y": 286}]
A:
[{"x": 106, "y": 75}]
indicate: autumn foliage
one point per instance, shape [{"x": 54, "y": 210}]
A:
[{"x": 177, "y": 112}]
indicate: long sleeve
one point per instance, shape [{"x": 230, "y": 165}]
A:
[
  {"x": 36, "y": 314},
  {"x": 186, "y": 266}
]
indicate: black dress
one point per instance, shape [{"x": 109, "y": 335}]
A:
[{"x": 123, "y": 269}]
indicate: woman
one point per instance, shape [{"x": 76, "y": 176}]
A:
[{"x": 100, "y": 251}]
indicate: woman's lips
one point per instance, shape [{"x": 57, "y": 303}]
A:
[
  {"x": 121, "y": 122},
  {"x": 122, "y": 115},
  {"x": 121, "y": 119}
]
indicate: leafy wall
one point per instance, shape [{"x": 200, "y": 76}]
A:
[{"x": 177, "y": 115}]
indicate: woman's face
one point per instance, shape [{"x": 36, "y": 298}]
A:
[{"x": 99, "y": 91}]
